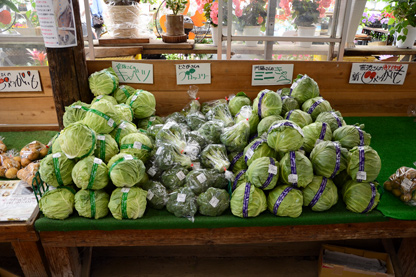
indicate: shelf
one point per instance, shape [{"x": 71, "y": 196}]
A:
[{"x": 365, "y": 50}]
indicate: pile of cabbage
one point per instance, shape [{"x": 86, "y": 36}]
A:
[{"x": 283, "y": 152}]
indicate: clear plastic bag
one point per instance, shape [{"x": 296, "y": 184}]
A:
[
  {"x": 403, "y": 184},
  {"x": 33, "y": 151}
]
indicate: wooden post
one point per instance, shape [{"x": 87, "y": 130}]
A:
[
  {"x": 407, "y": 256},
  {"x": 31, "y": 259},
  {"x": 63, "y": 261},
  {"x": 68, "y": 71}
]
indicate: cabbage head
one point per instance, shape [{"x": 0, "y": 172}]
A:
[
  {"x": 90, "y": 173},
  {"x": 256, "y": 149},
  {"x": 283, "y": 92},
  {"x": 329, "y": 159},
  {"x": 174, "y": 177},
  {"x": 334, "y": 119},
  {"x": 92, "y": 204},
  {"x": 323, "y": 192},
  {"x": 138, "y": 145},
  {"x": 75, "y": 112},
  {"x": 288, "y": 104},
  {"x": 213, "y": 202},
  {"x": 314, "y": 134},
  {"x": 301, "y": 118},
  {"x": 57, "y": 203},
  {"x": 303, "y": 175},
  {"x": 147, "y": 122},
  {"x": 125, "y": 170},
  {"x": 304, "y": 88},
  {"x": 102, "y": 117},
  {"x": 124, "y": 112},
  {"x": 55, "y": 169},
  {"x": 108, "y": 98},
  {"x": 240, "y": 179},
  {"x": 182, "y": 203},
  {"x": 285, "y": 136},
  {"x": 55, "y": 145},
  {"x": 315, "y": 106},
  {"x": 157, "y": 195},
  {"x": 263, "y": 173},
  {"x": 235, "y": 138},
  {"x": 285, "y": 201},
  {"x": 237, "y": 162},
  {"x": 370, "y": 163},
  {"x": 128, "y": 203},
  {"x": 248, "y": 201},
  {"x": 266, "y": 122},
  {"x": 360, "y": 197},
  {"x": 122, "y": 93},
  {"x": 240, "y": 100},
  {"x": 267, "y": 103},
  {"x": 253, "y": 119},
  {"x": 106, "y": 148},
  {"x": 103, "y": 82},
  {"x": 123, "y": 129},
  {"x": 350, "y": 136},
  {"x": 143, "y": 104},
  {"x": 77, "y": 140}
]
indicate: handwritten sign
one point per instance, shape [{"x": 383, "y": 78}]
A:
[
  {"x": 271, "y": 74},
  {"x": 20, "y": 80},
  {"x": 378, "y": 73},
  {"x": 193, "y": 73},
  {"x": 139, "y": 73}
]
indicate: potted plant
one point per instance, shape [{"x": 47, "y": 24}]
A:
[
  {"x": 174, "y": 22},
  {"x": 121, "y": 18},
  {"x": 253, "y": 19},
  {"x": 5, "y": 15},
  {"x": 404, "y": 22}
]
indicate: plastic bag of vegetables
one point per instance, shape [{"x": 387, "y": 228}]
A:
[
  {"x": 128, "y": 203},
  {"x": 222, "y": 113},
  {"x": 334, "y": 119},
  {"x": 211, "y": 131},
  {"x": 101, "y": 117},
  {"x": 182, "y": 203},
  {"x": 314, "y": 134},
  {"x": 304, "y": 88},
  {"x": 172, "y": 134},
  {"x": 147, "y": 122},
  {"x": 213, "y": 202},
  {"x": 239, "y": 100},
  {"x": 55, "y": 169},
  {"x": 138, "y": 145},
  {"x": 235, "y": 138},
  {"x": 75, "y": 112},
  {"x": 321, "y": 194},
  {"x": 285, "y": 201},
  {"x": 329, "y": 159},
  {"x": 123, "y": 129},
  {"x": 90, "y": 173},
  {"x": 92, "y": 203},
  {"x": 208, "y": 105},
  {"x": 176, "y": 117},
  {"x": 174, "y": 177},
  {"x": 248, "y": 201},
  {"x": 364, "y": 164},
  {"x": 106, "y": 147},
  {"x": 157, "y": 195},
  {"x": 285, "y": 136},
  {"x": 125, "y": 170},
  {"x": 195, "y": 120},
  {"x": 256, "y": 149},
  {"x": 122, "y": 93},
  {"x": 267, "y": 103},
  {"x": 350, "y": 136},
  {"x": 77, "y": 140},
  {"x": 167, "y": 157},
  {"x": 247, "y": 113},
  {"x": 300, "y": 117},
  {"x": 240, "y": 179},
  {"x": 266, "y": 122},
  {"x": 143, "y": 104},
  {"x": 53, "y": 207},
  {"x": 360, "y": 197},
  {"x": 198, "y": 181},
  {"x": 296, "y": 169},
  {"x": 215, "y": 156},
  {"x": 263, "y": 173},
  {"x": 103, "y": 82},
  {"x": 315, "y": 106}
]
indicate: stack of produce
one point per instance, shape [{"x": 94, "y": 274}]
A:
[
  {"x": 403, "y": 184},
  {"x": 268, "y": 154}
]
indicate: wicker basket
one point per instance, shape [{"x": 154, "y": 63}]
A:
[{"x": 122, "y": 21}]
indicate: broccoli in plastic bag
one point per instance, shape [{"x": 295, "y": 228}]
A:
[
  {"x": 176, "y": 117},
  {"x": 157, "y": 195},
  {"x": 218, "y": 180},
  {"x": 222, "y": 113},
  {"x": 174, "y": 177},
  {"x": 215, "y": 156},
  {"x": 207, "y": 106},
  {"x": 166, "y": 157},
  {"x": 211, "y": 131},
  {"x": 213, "y": 202},
  {"x": 182, "y": 203},
  {"x": 235, "y": 138},
  {"x": 198, "y": 181},
  {"x": 195, "y": 120},
  {"x": 172, "y": 134}
]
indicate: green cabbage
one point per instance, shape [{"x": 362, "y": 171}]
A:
[
  {"x": 123, "y": 129},
  {"x": 334, "y": 119},
  {"x": 315, "y": 106},
  {"x": 325, "y": 161},
  {"x": 57, "y": 203},
  {"x": 147, "y": 122},
  {"x": 359, "y": 196},
  {"x": 266, "y": 122},
  {"x": 301, "y": 118},
  {"x": 285, "y": 135},
  {"x": 291, "y": 205},
  {"x": 55, "y": 169},
  {"x": 106, "y": 148},
  {"x": 92, "y": 204},
  {"x": 315, "y": 133},
  {"x": 222, "y": 113},
  {"x": 235, "y": 138},
  {"x": 371, "y": 164},
  {"x": 77, "y": 140},
  {"x": 267, "y": 103},
  {"x": 124, "y": 112},
  {"x": 174, "y": 177},
  {"x": 109, "y": 98},
  {"x": 122, "y": 93},
  {"x": 240, "y": 179},
  {"x": 304, "y": 170},
  {"x": 237, "y": 162},
  {"x": 341, "y": 178},
  {"x": 90, "y": 173},
  {"x": 102, "y": 117},
  {"x": 157, "y": 195},
  {"x": 256, "y": 149},
  {"x": 182, "y": 203},
  {"x": 125, "y": 170},
  {"x": 349, "y": 136},
  {"x": 128, "y": 203},
  {"x": 143, "y": 104},
  {"x": 138, "y": 145},
  {"x": 253, "y": 118},
  {"x": 103, "y": 82},
  {"x": 213, "y": 202},
  {"x": 56, "y": 145},
  {"x": 240, "y": 100},
  {"x": 304, "y": 88},
  {"x": 75, "y": 112},
  {"x": 328, "y": 197},
  {"x": 248, "y": 201},
  {"x": 263, "y": 173},
  {"x": 283, "y": 92},
  {"x": 288, "y": 104}
]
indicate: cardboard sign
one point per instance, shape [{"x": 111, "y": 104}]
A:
[
  {"x": 138, "y": 73},
  {"x": 20, "y": 80},
  {"x": 378, "y": 73},
  {"x": 193, "y": 74},
  {"x": 271, "y": 74}
]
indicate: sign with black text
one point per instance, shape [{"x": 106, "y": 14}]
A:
[
  {"x": 20, "y": 80},
  {"x": 193, "y": 73},
  {"x": 378, "y": 73},
  {"x": 271, "y": 74},
  {"x": 138, "y": 73}
]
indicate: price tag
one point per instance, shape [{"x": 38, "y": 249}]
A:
[
  {"x": 128, "y": 157},
  {"x": 272, "y": 169},
  {"x": 110, "y": 122},
  {"x": 100, "y": 96},
  {"x": 293, "y": 178},
  {"x": 196, "y": 165},
  {"x": 362, "y": 175},
  {"x": 159, "y": 151},
  {"x": 181, "y": 197},
  {"x": 123, "y": 190},
  {"x": 98, "y": 161},
  {"x": 101, "y": 137},
  {"x": 122, "y": 126},
  {"x": 249, "y": 153},
  {"x": 150, "y": 195},
  {"x": 56, "y": 155},
  {"x": 180, "y": 175},
  {"x": 407, "y": 185},
  {"x": 152, "y": 171},
  {"x": 214, "y": 201},
  {"x": 201, "y": 178},
  {"x": 137, "y": 145}
]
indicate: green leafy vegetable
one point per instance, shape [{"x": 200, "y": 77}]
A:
[
  {"x": 304, "y": 88},
  {"x": 128, "y": 203},
  {"x": 92, "y": 204},
  {"x": 301, "y": 118},
  {"x": 108, "y": 98},
  {"x": 304, "y": 170},
  {"x": 211, "y": 131},
  {"x": 172, "y": 134},
  {"x": 350, "y": 136},
  {"x": 267, "y": 103},
  {"x": 213, "y": 202},
  {"x": 55, "y": 169},
  {"x": 102, "y": 117},
  {"x": 103, "y": 82},
  {"x": 106, "y": 148},
  {"x": 174, "y": 177},
  {"x": 198, "y": 181},
  {"x": 237, "y": 162},
  {"x": 360, "y": 197},
  {"x": 246, "y": 112},
  {"x": 57, "y": 203},
  {"x": 292, "y": 202},
  {"x": 315, "y": 106},
  {"x": 240, "y": 100},
  {"x": 334, "y": 119},
  {"x": 235, "y": 138},
  {"x": 263, "y": 173},
  {"x": 125, "y": 170},
  {"x": 195, "y": 120},
  {"x": 215, "y": 156},
  {"x": 143, "y": 104},
  {"x": 222, "y": 113},
  {"x": 285, "y": 136},
  {"x": 166, "y": 157},
  {"x": 123, "y": 129},
  {"x": 322, "y": 192},
  {"x": 315, "y": 133},
  {"x": 207, "y": 106},
  {"x": 256, "y": 149},
  {"x": 75, "y": 112},
  {"x": 248, "y": 201},
  {"x": 90, "y": 173},
  {"x": 329, "y": 159},
  {"x": 157, "y": 195},
  {"x": 122, "y": 93},
  {"x": 77, "y": 140},
  {"x": 124, "y": 112},
  {"x": 288, "y": 104},
  {"x": 364, "y": 164},
  {"x": 182, "y": 203},
  {"x": 266, "y": 122},
  {"x": 138, "y": 145}
]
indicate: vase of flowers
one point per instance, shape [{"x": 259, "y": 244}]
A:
[
  {"x": 403, "y": 24},
  {"x": 253, "y": 19}
]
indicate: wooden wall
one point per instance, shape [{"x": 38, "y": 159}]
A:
[{"x": 227, "y": 77}]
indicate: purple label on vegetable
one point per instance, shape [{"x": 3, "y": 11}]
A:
[
  {"x": 313, "y": 107},
  {"x": 338, "y": 159},
  {"x": 319, "y": 193},
  {"x": 246, "y": 199},
  {"x": 339, "y": 122},
  {"x": 234, "y": 160},
  {"x": 270, "y": 177},
  {"x": 288, "y": 124},
  {"x": 360, "y": 132},
  {"x": 252, "y": 148},
  {"x": 290, "y": 92},
  {"x": 373, "y": 197},
  {"x": 323, "y": 131},
  {"x": 280, "y": 199},
  {"x": 361, "y": 160},
  {"x": 237, "y": 178},
  {"x": 293, "y": 165},
  {"x": 288, "y": 114},
  {"x": 259, "y": 104}
]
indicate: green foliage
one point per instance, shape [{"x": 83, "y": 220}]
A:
[
  {"x": 305, "y": 12},
  {"x": 176, "y": 6},
  {"x": 57, "y": 203},
  {"x": 213, "y": 202},
  {"x": 404, "y": 12},
  {"x": 215, "y": 156},
  {"x": 254, "y": 14}
]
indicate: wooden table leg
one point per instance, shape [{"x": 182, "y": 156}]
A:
[
  {"x": 63, "y": 261},
  {"x": 31, "y": 258},
  {"x": 407, "y": 256}
]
